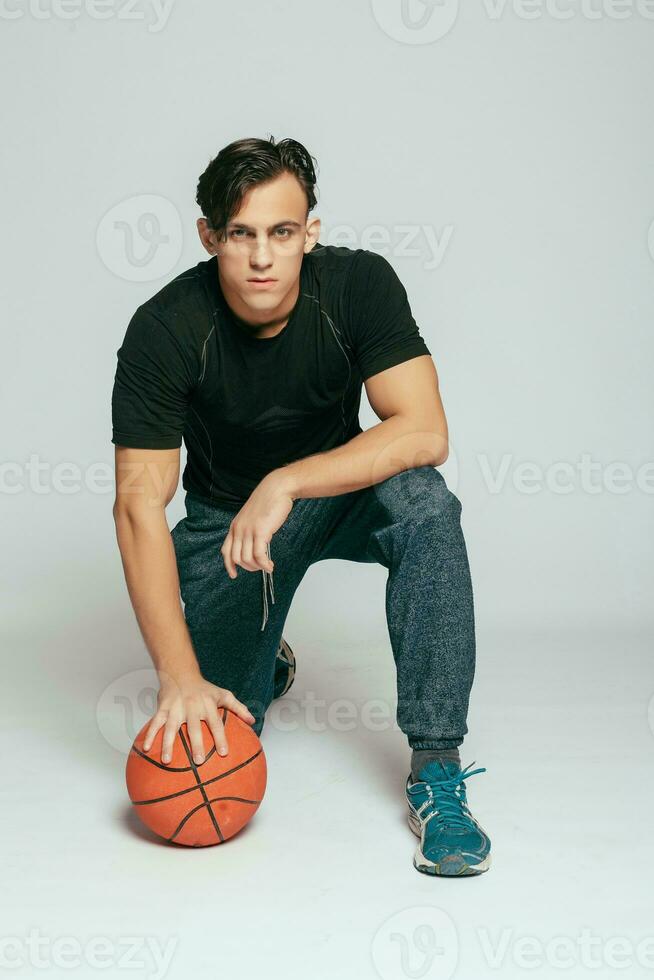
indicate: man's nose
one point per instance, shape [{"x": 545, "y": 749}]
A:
[{"x": 261, "y": 254}]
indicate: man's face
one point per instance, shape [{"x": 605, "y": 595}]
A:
[{"x": 265, "y": 241}]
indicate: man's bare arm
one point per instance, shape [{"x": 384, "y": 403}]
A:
[
  {"x": 146, "y": 481},
  {"x": 413, "y": 432}
]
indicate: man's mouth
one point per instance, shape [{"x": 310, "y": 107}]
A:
[{"x": 262, "y": 282}]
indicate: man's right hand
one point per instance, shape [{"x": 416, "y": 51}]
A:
[{"x": 192, "y": 699}]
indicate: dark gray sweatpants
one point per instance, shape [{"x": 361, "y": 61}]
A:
[{"x": 410, "y": 524}]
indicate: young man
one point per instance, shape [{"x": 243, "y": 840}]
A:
[{"x": 256, "y": 358}]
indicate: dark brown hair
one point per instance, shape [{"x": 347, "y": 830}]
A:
[{"x": 245, "y": 163}]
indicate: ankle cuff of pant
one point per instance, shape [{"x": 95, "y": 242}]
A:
[{"x": 439, "y": 743}]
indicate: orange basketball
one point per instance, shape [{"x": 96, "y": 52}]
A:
[{"x": 198, "y": 805}]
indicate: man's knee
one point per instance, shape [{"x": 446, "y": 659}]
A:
[{"x": 418, "y": 494}]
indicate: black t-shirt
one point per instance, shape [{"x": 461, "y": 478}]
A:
[{"x": 187, "y": 368}]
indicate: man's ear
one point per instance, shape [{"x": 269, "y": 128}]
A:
[
  {"x": 313, "y": 233},
  {"x": 207, "y": 236}
]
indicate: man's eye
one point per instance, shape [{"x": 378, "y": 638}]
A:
[{"x": 242, "y": 232}]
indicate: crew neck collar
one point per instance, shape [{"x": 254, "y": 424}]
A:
[{"x": 220, "y": 304}]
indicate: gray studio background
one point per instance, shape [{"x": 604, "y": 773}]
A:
[{"x": 501, "y": 157}]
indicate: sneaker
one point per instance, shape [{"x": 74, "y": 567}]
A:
[
  {"x": 284, "y": 669},
  {"x": 451, "y": 841}
]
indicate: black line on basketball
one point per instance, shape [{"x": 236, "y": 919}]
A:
[
  {"x": 207, "y": 782},
  {"x": 187, "y": 749},
  {"x": 195, "y": 809}
]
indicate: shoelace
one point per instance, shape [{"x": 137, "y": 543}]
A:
[
  {"x": 268, "y": 580},
  {"x": 450, "y": 808}
]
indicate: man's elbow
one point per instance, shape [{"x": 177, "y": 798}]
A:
[
  {"x": 441, "y": 456},
  {"x": 438, "y": 447},
  {"x": 429, "y": 442},
  {"x": 141, "y": 511}
]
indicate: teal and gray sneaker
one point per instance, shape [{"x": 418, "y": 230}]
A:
[
  {"x": 451, "y": 841},
  {"x": 284, "y": 669}
]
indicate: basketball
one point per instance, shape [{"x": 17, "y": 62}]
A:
[{"x": 198, "y": 805}]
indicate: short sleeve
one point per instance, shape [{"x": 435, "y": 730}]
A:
[
  {"x": 152, "y": 386},
  {"x": 381, "y": 324}
]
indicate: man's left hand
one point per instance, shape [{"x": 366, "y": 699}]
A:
[{"x": 259, "y": 518}]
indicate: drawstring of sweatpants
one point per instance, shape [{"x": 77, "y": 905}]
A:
[{"x": 265, "y": 593}]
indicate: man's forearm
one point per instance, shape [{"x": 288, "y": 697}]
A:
[
  {"x": 398, "y": 443},
  {"x": 150, "y": 567}
]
